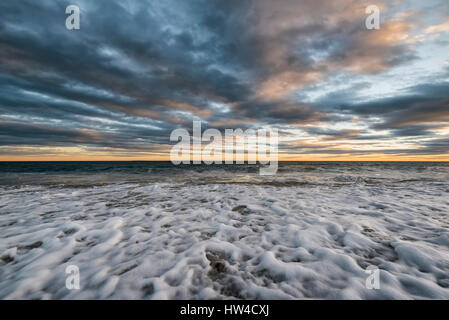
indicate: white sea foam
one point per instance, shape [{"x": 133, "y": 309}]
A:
[{"x": 177, "y": 241}]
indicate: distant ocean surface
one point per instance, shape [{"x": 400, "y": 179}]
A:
[
  {"x": 289, "y": 173},
  {"x": 153, "y": 230}
]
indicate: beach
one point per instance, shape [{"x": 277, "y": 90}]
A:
[{"x": 143, "y": 230}]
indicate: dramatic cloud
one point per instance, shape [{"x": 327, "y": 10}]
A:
[{"x": 136, "y": 70}]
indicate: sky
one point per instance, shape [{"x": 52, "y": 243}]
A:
[{"x": 136, "y": 70}]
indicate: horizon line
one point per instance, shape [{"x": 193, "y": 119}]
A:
[{"x": 3, "y": 161}]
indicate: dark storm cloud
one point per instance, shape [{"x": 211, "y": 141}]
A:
[
  {"x": 419, "y": 105},
  {"x": 120, "y": 66},
  {"x": 35, "y": 134}
]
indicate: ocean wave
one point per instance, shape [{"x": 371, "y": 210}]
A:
[{"x": 168, "y": 240}]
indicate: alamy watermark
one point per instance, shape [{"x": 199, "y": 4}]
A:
[
  {"x": 73, "y": 20},
  {"x": 72, "y": 281},
  {"x": 373, "y": 20},
  {"x": 238, "y": 146},
  {"x": 373, "y": 280}
]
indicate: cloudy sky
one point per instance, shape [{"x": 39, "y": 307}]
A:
[{"x": 136, "y": 70}]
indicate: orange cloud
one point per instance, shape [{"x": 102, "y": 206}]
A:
[
  {"x": 444, "y": 27},
  {"x": 278, "y": 85},
  {"x": 183, "y": 106}
]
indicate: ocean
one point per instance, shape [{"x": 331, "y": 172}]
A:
[{"x": 153, "y": 230}]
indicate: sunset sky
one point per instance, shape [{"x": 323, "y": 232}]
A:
[{"x": 136, "y": 70}]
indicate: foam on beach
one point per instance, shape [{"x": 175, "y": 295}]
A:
[{"x": 225, "y": 241}]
